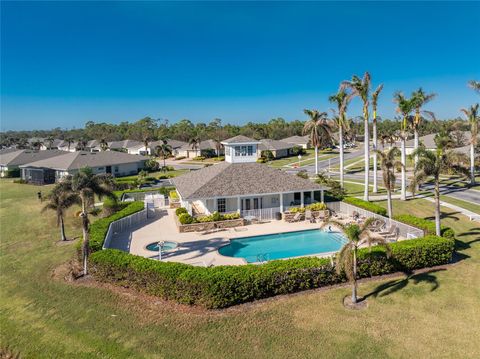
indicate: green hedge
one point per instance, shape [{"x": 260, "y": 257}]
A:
[
  {"x": 98, "y": 229},
  {"x": 425, "y": 224},
  {"x": 223, "y": 286},
  {"x": 369, "y": 206}
]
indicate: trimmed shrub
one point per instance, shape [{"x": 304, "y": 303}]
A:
[
  {"x": 229, "y": 216},
  {"x": 13, "y": 173},
  {"x": 173, "y": 194},
  {"x": 180, "y": 157},
  {"x": 185, "y": 218},
  {"x": 224, "y": 286},
  {"x": 199, "y": 158},
  {"x": 316, "y": 206},
  {"x": 296, "y": 210},
  {"x": 261, "y": 160},
  {"x": 369, "y": 206},
  {"x": 425, "y": 224},
  {"x": 180, "y": 211}
]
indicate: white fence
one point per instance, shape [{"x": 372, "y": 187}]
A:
[
  {"x": 138, "y": 196},
  {"x": 406, "y": 230},
  {"x": 157, "y": 200},
  {"x": 263, "y": 214},
  {"x": 123, "y": 224}
]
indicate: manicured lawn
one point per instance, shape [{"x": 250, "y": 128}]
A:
[
  {"x": 156, "y": 174},
  {"x": 427, "y": 315}
]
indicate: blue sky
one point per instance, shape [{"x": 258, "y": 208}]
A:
[{"x": 65, "y": 63}]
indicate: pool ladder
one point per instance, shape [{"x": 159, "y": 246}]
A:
[{"x": 262, "y": 257}]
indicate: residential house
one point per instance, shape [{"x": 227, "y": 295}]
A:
[
  {"x": 123, "y": 146},
  {"x": 300, "y": 141},
  {"x": 207, "y": 148},
  {"x": 150, "y": 150},
  {"x": 241, "y": 184},
  {"x": 278, "y": 148},
  {"x": 12, "y": 159},
  {"x": 429, "y": 141},
  {"x": 50, "y": 170}
]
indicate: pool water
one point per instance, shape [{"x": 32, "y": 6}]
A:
[
  {"x": 284, "y": 245},
  {"x": 166, "y": 247}
]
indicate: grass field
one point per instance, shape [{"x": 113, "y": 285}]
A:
[{"x": 430, "y": 315}]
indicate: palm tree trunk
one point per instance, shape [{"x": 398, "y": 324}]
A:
[
  {"x": 403, "y": 196},
  {"x": 340, "y": 142},
  {"x": 389, "y": 202},
  {"x": 86, "y": 239},
  {"x": 375, "y": 184},
  {"x": 316, "y": 160},
  {"x": 415, "y": 145},
  {"x": 472, "y": 163},
  {"x": 354, "y": 287},
  {"x": 437, "y": 207},
  {"x": 367, "y": 160},
  {"x": 164, "y": 163},
  {"x": 62, "y": 228}
]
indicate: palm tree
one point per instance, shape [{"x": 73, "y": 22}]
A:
[
  {"x": 361, "y": 87},
  {"x": 218, "y": 146},
  {"x": 405, "y": 107},
  {"x": 318, "y": 129},
  {"x": 473, "y": 117},
  {"x": 375, "y": 95},
  {"x": 82, "y": 144},
  {"x": 434, "y": 163},
  {"x": 419, "y": 98},
  {"x": 194, "y": 143},
  {"x": 163, "y": 150},
  {"x": 37, "y": 144},
  {"x": 388, "y": 164},
  {"x": 103, "y": 144},
  {"x": 341, "y": 99},
  {"x": 59, "y": 200},
  {"x": 69, "y": 142},
  {"x": 357, "y": 236},
  {"x": 474, "y": 85},
  {"x": 49, "y": 141},
  {"x": 88, "y": 185}
]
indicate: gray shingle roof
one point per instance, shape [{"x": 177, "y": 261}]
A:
[
  {"x": 123, "y": 144},
  {"x": 429, "y": 140},
  {"x": 239, "y": 139},
  {"x": 274, "y": 145},
  {"x": 20, "y": 157},
  {"x": 80, "y": 159},
  {"x": 238, "y": 179},
  {"x": 296, "y": 140}
]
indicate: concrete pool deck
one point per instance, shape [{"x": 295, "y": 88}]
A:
[{"x": 194, "y": 248}]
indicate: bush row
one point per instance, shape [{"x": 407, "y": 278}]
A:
[
  {"x": 312, "y": 207},
  {"x": 369, "y": 206},
  {"x": 185, "y": 218},
  {"x": 425, "y": 224},
  {"x": 223, "y": 286},
  {"x": 98, "y": 229}
]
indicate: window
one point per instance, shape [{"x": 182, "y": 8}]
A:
[
  {"x": 227, "y": 151},
  {"x": 116, "y": 169},
  {"x": 250, "y": 150},
  {"x": 237, "y": 150},
  {"x": 316, "y": 196},
  {"x": 100, "y": 168},
  {"x": 221, "y": 205}
]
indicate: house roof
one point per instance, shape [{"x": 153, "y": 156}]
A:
[
  {"x": 429, "y": 140},
  {"x": 20, "y": 157},
  {"x": 123, "y": 144},
  {"x": 239, "y": 179},
  {"x": 296, "y": 140},
  {"x": 204, "y": 145},
  {"x": 274, "y": 145},
  {"x": 80, "y": 159},
  {"x": 239, "y": 139}
]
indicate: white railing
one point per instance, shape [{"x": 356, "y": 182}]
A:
[
  {"x": 406, "y": 230},
  {"x": 157, "y": 200},
  {"x": 123, "y": 224},
  {"x": 138, "y": 196},
  {"x": 263, "y": 214}
]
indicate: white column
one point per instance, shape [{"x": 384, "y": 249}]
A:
[
  {"x": 215, "y": 205},
  {"x": 302, "y": 203},
  {"x": 321, "y": 196},
  {"x": 281, "y": 202},
  {"x": 239, "y": 204}
]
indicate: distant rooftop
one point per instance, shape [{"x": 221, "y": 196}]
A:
[
  {"x": 20, "y": 157},
  {"x": 240, "y": 139}
]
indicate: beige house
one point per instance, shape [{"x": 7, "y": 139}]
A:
[
  {"x": 279, "y": 149},
  {"x": 301, "y": 141},
  {"x": 53, "y": 169},
  {"x": 240, "y": 184}
]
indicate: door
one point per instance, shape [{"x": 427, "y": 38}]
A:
[
  {"x": 255, "y": 203},
  {"x": 247, "y": 204},
  {"x": 108, "y": 169}
]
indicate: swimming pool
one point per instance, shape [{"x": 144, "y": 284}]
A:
[{"x": 284, "y": 245}]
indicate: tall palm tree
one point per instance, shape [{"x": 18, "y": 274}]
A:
[
  {"x": 473, "y": 117},
  {"x": 434, "y": 163},
  {"x": 37, "y": 144},
  {"x": 405, "y": 107},
  {"x": 361, "y": 87},
  {"x": 375, "y": 95},
  {"x": 59, "y": 200},
  {"x": 163, "y": 150},
  {"x": 218, "y": 145},
  {"x": 194, "y": 142},
  {"x": 87, "y": 185},
  {"x": 419, "y": 98},
  {"x": 49, "y": 141},
  {"x": 341, "y": 99},
  {"x": 82, "y": 144},
  {"x": 357, "y": 236},
  {"x": 318, "y": 129},
  {"x": 474, "y": 85},
  {"x": 388, "y": 164}
]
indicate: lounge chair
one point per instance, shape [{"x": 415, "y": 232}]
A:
[
  {"x": 389, "y": 231},
  {"x": 377, "y": 226},
  {"x": 296, "y": 217},
  {"x": 393, "y": 237},
  {"x": 309, "y": 216}
]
